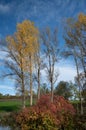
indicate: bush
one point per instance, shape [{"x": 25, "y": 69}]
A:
[
  {"x": 46, "y": 115},
  {"x": 80, "y": 122},
  {"x": 30, "y": 119},
  {"x": 61, "y": 110}
]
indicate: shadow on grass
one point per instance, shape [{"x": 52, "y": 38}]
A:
[{"x": 9, "y": 108}]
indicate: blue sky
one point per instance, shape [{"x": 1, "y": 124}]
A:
[{"x": 52, "y": 13}]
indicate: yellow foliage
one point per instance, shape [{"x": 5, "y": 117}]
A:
[
  {"x": 24, "y": 43},
  {"x": 82, "y": 18}
]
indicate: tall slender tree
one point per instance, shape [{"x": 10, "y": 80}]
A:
[
  {"x": 51, "y": 51},
  {"x": 75, "y": 38},
  {"x": 38, "y": 72},
  {"x": 22, "y": 47}
]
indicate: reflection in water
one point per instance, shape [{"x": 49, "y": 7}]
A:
[{"x": 4, "y": 128}]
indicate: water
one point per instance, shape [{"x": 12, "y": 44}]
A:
[{"x": 4, "y": 128}]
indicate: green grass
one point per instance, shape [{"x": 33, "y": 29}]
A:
[
  {"x": 75, "y": 101},
  {"x": 11, "y": 106}
]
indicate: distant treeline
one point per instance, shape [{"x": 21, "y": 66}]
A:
[{"x": 12, "y": 97}]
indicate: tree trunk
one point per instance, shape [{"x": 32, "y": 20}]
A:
[
  {"x": 23, "y": 97},
  {"x": 80, "y": 95},
  {"x": 81, "y": 103},
  {"x": 23, "y": 87},
  {"x": 39, "y": 83},
  {"x": 77, "y": 107},
  {"x": 51, "y": 91},
  {"x": 31, "y": 91},
  {"x": 23, "y": 92}
]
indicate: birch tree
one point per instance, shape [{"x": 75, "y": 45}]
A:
[
  {"x": 75, "y": 39},
  {"x": 51, "y": 51},
  {"x": 24, "y": 44}
]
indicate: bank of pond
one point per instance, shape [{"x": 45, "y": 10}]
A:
[
  {"x": 78, "y": 124},
  {"x": 44, "y": 115}
]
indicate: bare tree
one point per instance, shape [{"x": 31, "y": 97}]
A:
[
  {"x": 74, "y": 47},
  {"x": 39, "y": 65},
  {"x": 51, "y": 51},
  {"x": 38, "y": 73},
  {"x": 14, "y": 65}
]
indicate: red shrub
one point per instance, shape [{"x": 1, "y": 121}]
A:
[
  {"x": 46, "y": 114},
  {"x": 59, "y": 104},
  {"x": 59, "y": 108}
]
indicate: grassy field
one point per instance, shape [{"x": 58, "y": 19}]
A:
[{"x": 11, "y": 105}]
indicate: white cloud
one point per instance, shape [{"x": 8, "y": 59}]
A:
[
  {"x": 7, "y": 89},
  {"x": 3, "y": 55},
  {"x": 4, "y": 8},
  {"x": 67, "y": 73}
]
